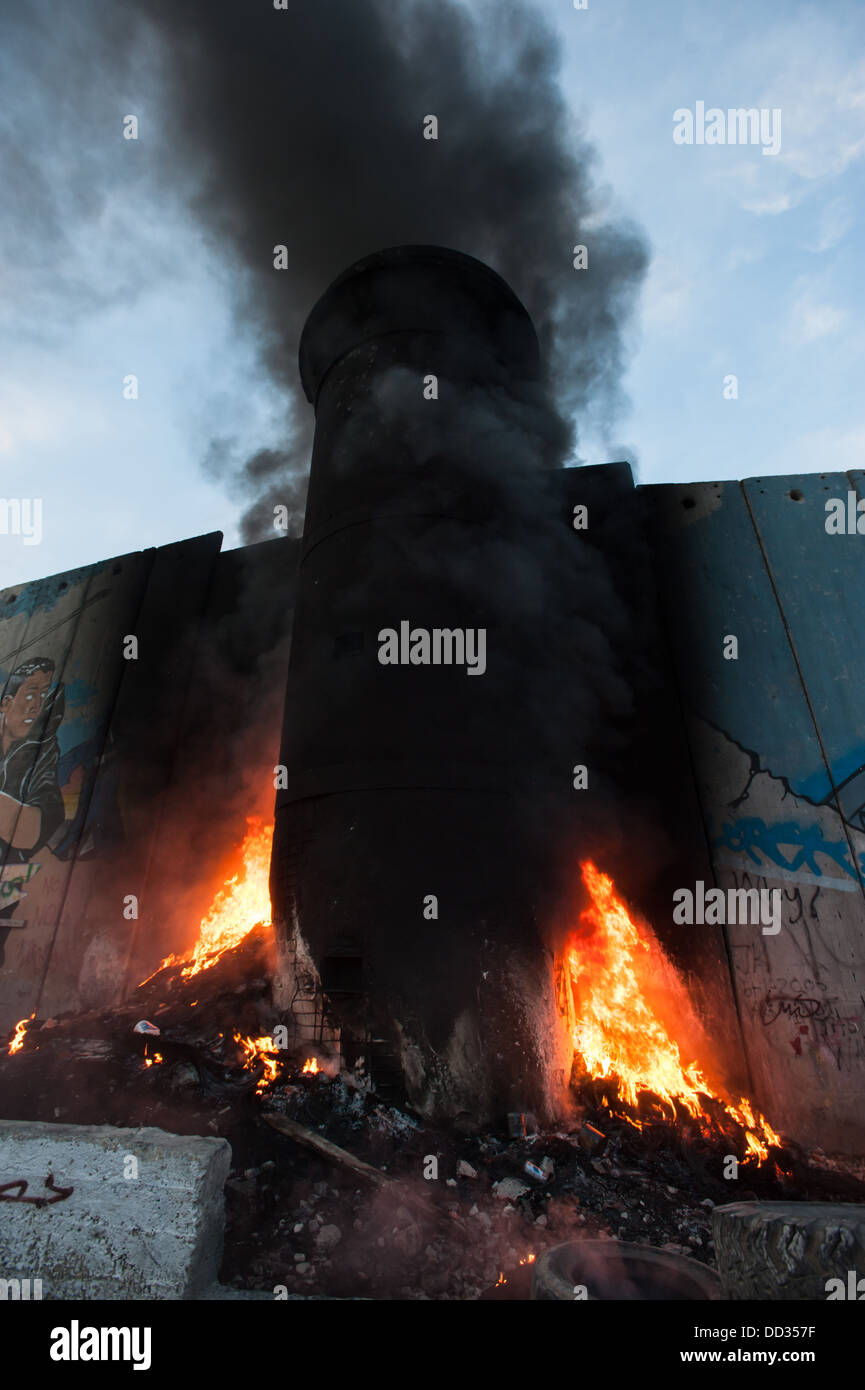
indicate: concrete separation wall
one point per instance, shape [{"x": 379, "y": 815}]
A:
[
  {"x": 144, "y": 770},
  {"x": 777, "y": 734},
  {"x": 157, "y": 681}
]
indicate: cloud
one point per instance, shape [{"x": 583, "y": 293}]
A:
[
  {"x": 745, "y": 254},
  {"x": 771, "y": 206},
  {"x": 668, "y": 296},
  {"x": 27, "y": 422},
  {"x": 820, "y": 89},
  {"x": 812, "y": 319},
  {"x": 833, "y": 224},
  {"x": 823, "y": 115}
]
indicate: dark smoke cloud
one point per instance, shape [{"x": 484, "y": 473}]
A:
[{"x": 303, "y": 127}]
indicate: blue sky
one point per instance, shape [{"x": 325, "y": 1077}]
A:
[
  {"x": 756, "y": 270},
  {"x": 756, "y": 260}
]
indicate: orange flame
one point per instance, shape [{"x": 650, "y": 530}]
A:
[
  {"x": 529, "y": 1260},
  {"x": 618, "y": 1035},
  {"x": 263, "y": 1050},
  {"x": 17, "y": 1040},
  {"x": 243, "y": 902},
  {"x": 152, "y": 1061},
  {"x": 311, "y": 1067},
  {"x": 501, "y": 1279}
]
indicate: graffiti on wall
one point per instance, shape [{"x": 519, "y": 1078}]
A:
[
  {"x": 31, "y": 805},
  {"x": 812, "y": 1020},
  {"x": 800, "y": 1010},
  {"x": 52, "y": 804},
  {"x": 797, "y": 994},
  {"x": 792, "y": 847}
]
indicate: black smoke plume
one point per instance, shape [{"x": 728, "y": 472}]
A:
[{"x": 303, "y": 127}]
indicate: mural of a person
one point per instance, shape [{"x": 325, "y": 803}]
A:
[{"x": 31, "y": 806}]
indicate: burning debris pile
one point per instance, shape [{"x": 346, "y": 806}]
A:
[
  {"x": 243, "y": 902},
  {"x": 336, "y": 1193},
  {"x": 619, "y": 1037}
]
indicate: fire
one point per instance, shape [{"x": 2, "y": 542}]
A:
[
  {"x": 17, "y": 1040},
  {"x": 260, "y": 1050},
  {"x": 501, "y": 1279},
  {"x": 153, "y": 1061},
  {"x": 529, "y": 1260},
  {"x": 617, "y": 1033},
  {"x": 311, "y": 1067},
  {"x": 243, "y": 902}
]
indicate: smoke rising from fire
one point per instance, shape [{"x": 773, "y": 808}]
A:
[{"x": 304, "y": 128}]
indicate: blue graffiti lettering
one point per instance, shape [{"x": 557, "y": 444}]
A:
[{"x": 754, "y": 838}]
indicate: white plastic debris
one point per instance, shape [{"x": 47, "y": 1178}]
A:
[
  {"x": 465, "y": 1170},
  {"x": 508, "y": 1189},
  {"x": 149, "y": 1028}
]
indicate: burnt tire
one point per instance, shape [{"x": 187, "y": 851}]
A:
[
  {"x": 615, "y": 1269},
  {"x": 788, "y": 1250}
]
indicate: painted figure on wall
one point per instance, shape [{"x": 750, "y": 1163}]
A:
[{"x": 31, "y": 805}]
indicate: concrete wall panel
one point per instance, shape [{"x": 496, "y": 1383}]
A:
[
  {"x": 152, "y": 763},
  {"x": 55, "y": 768},
  {"x": 755, "y": 744}
]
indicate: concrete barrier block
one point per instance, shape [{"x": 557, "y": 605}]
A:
[
  {"x": 144, "y": 1220},
  {"x": 790, "y": 1250}
]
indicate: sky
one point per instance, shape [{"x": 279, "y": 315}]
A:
[{"x": 755, "y": 271}]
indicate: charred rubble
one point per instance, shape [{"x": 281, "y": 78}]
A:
[{"x": 355, "y": 1215}]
